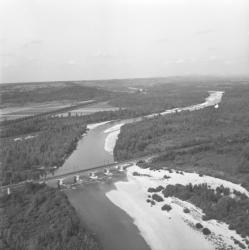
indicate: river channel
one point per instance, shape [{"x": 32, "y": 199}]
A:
[{"x": 114, "y": 228}]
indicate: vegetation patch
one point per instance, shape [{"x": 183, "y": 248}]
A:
[
  {"x": 166, "y": 177},
  {"x": 39, "y": 217},
  {"x": 206, "y": 231},
  {"x": 186, "y": 210},
  {"x": 166, "y": 207},
  {"x": 155, "y": 190},
  {"x": 216, "y": 204},
  {"x": 157, "y": 198},
  {"x": 198, "y": 225}
]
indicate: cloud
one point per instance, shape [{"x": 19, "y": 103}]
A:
[
  {"x": 31, "y": 43},
  {"x": 192, "y": 60},
  {"x": 181, "y": 60},
  {"x": 228, "y": 62},
  {"x": 3, "y": 40},
  {"x": 212, "y": 58},
  {"x": 7, "y": 55},
  {"x": 162, "y": 40},
  {"x": 204, "y": 32},
  {"x": 71, "y": 62},
  {"x": 101, "y": 54},
  {"x": 211, "y": 49}
]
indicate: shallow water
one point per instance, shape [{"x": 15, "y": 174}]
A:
[
  {"x": 90, "y": 151},
  {"x": 114, "y": 228}
]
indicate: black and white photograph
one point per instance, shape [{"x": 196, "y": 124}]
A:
[{"x": 124, "y": 124}]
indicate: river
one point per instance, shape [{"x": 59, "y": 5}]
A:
[{"x": 99, "y": 207}]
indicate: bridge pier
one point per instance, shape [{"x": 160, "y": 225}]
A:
[
  {"x": 107, "y": 172},
  {"x": 76, "y": 178},
  {"x": 8, "y": 191},
  {"x": 59, "y": 183},
  {"x": 121, "y": 168},
  {"x": 93, "y": 176}
]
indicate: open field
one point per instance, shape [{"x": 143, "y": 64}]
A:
[{"x": 34, "y": 109}]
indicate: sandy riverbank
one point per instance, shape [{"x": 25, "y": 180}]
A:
[
  {"x": 95, "y": 125},
  {"x": 112, "y": 137},
  {"x": 171, "y": 230},
  {"x": 214, "y": 97}
]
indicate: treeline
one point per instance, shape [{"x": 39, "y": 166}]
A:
[
  {"x": 54, "y": 139},
  {"x": 216, "y": 204},
  {"x": 41, "y": 218}
]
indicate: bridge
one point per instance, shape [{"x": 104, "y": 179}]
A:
[{"x": 87, "y": 172}]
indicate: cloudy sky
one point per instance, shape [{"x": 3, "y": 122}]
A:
[{"x": 44, "y": 40}]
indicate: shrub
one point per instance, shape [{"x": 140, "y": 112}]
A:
[
  {"x": 157, "y": 198},
  {"x": 166, "y": 177},
  {"x": 186, "y": 210},
  {"x": 198, "y": 225},
  {"x": 157, "y": 189},
  {"x": 166, "y": 207},
  {"x": 206, "y": 231},
  {"x": 135, "y": 174}
]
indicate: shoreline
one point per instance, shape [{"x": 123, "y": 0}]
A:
[
  {"x": 112, "y": 226},
  {"x": 112, "y": 137},
  {"x": 131, "y": 197}
]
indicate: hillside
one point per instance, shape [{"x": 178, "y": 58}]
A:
[{"x": 39, "y": 93}]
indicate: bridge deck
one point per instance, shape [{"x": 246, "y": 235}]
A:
[{"x": 54, "y": 177}]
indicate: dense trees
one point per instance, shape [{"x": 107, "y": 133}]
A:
[
  {"x": 39, "y": 217},
  {"x": 54, "y": 139},
  {"x": 161, "y": 96},
  {"x": 244, "y": 164},
  {"x": 208, "y": 140},
  {"x": 216, "y": 204}
]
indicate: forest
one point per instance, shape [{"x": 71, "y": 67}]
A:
[
  {"x": 216, "y": 204},
  {"x": 39, "y": 217},
  {"x": 27, "y": 158},
  {"x": 52, "y": 140},
  {"x": 212, "y": 141},
  {"x": 159, "y": 97}
]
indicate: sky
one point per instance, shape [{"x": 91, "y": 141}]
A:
[{"x": 49, "y": 40}]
